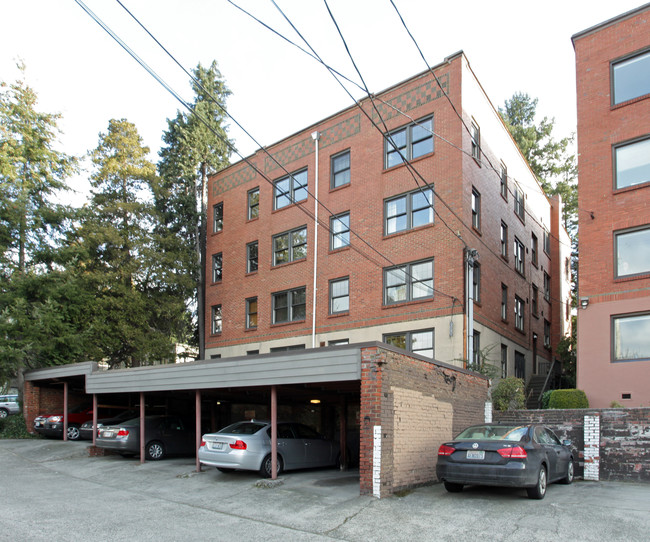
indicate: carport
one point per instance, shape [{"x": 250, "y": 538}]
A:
[{"x": 407, "y": 404}]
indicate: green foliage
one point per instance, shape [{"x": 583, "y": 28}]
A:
[
  {"x": 546, "y": 397},
  {"x": 508, "y": 394},
  {"x": 615, "y": 404},
  {"x": 568, "y": 399},
  {"x": 14, "y": 427},
  {"x": 566, "y": 353}
]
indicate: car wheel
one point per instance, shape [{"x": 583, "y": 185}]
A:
[
  {"x": 73, "y": 432},
  {"x": 266, "y": 468},
  {"x": 155, "y": 450},
  {"x": 3, "y": 413},
  {"x": 569, "y": 473},
  {"x": 539, "y": 490},
  {"x": 224, "y": 470},
  {"x": 453, "y": 488}
]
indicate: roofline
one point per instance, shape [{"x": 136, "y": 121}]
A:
[
  {"x": 447, "y": 60},
  {"x": 609, "y": 22}
]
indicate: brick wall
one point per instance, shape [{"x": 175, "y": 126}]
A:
[
  {"x": 418, "y": 405},
  {"x": 624, "y": 439},
  {"x": 43, "y": 400}
]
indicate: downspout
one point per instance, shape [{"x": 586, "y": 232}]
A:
[
  {"x": 315, "y": 136},
  {"x": 471, "y": 255}
]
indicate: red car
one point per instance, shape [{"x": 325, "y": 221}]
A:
[{"x": 51, "y": 425}]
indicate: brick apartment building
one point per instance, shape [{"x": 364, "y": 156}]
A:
[
  {"x": 399, "y": 235},
  {"x": 613, "y": 90}
]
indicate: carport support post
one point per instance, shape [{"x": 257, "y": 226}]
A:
[
  {"x": 343, "y": 435},
  {"x": 94, "y": 418},
  {"x": 141, "y": 427},
  {"x": 65, "y": 411},
  {"x": 274, "y": 433},
  {"x": 198, "y": 429}
]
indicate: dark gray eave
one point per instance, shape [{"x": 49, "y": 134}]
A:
[{"x": 62, "y": 371}]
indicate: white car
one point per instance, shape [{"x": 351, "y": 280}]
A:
[
  {"x": 247, "y": 446},
  {"x": 8, "y": 405}
]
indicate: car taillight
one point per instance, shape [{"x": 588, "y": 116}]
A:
[
  {"x": 446, "y": 450},
  {"x": 239, "y": 445},
  {"x": 122, "y": 433},
  {"x": 202, "y": 443},
  {"x": 516, "y": 452}
]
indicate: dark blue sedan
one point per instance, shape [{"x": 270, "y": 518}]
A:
[{"x": 527, "y": 456}]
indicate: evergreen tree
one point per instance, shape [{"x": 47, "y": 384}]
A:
[{"x": 196, "y": 145}]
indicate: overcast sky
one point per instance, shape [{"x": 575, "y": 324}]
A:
[{"x": 79, "y": 71}]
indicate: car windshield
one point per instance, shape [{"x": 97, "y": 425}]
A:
[
  {"x": 243, "y": 428},
  {"x": 493, "y": 432}
]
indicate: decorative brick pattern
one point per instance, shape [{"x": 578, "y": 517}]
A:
[
  {"x": 592, "y": 447},
  {"x": 240, "y": 176},
  {"x": 376, "y": 461},
  {"x": 412, "y": 99},
  {"x": 488, "y": 412}
]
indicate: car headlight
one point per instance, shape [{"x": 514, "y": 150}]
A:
[{"x": 55, "y": 419}]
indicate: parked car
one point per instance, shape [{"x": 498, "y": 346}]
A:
[
  {"x": 164, "y": 435},
  {"x": 247, "y": 446},
  {"x": 86, "y": 429},
  {"x": 527, "y": 456},
  {"x": 8, "y": 405},
  {"x": 51, "y": 425}
]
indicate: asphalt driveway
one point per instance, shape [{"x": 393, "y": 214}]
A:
[{"x": 52, "y": 490}]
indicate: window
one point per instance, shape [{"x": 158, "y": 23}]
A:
[
  {"x": 519, "y": 256},
  {"x": 547, "y": 334},
  {"x": 504, "y": 240},
  {"x": 419, "y": 342},
  {"x": 476, "y": 350},
  {"x": 519, "y": 313},
  {"x": 409, "y": 142},
  {"x": 504, "y": 361},
  {"x": 253, "y": 203},
  {"x": 504, "y": 302},
  {"x": 290, "y": 189},
  {"x": 217, "y": 217},
  {"x": 408, "y": 211},
  {"x": 504, "y": 182},
  {"x": 476, "y": 209},
  {"x": 631, "y": 78},
  {"x": 340, "y": 231},
  {"x": 338, "y": 342},
  {"x": 289, "y": 306},
  {"x": 288, "y": 348},
  {"x": 547, "y": 287},
  {"x": 216, "y": 320},
  {"x": 631, "y": 337},
  {"x": 547, "y": 243},
  {"x": 533, "y": 249},
  {"x": 520, "y": 204},
  {"x": 476, "y": 283},
  {"x": 534, "y": 299},
  {"x": 520, "y": 365},
  {"x": 340, "y": 168},
  {"x": 217, "y": 268},
  {"x": 251, "y": 313},
  {"x": 339, "y": 295},
  {"x": 408, "y": 282},
  {"x": 251, "y": 257},
  {"x": 632, "y": 252},
  {"x": 632, "y": 164},
  {"x": 476, "y": 142},
  {"x": 252, "y": 352},
  {"x": 290, "y": 246}
]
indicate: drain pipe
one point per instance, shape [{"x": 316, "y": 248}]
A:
[
  {"x": 315, "y": 136},
  {"x": 471, "y": 255}
]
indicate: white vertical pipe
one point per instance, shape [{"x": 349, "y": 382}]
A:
[{"x": 315, "y": 136}]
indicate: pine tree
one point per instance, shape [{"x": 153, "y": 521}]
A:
[{"x": 196, "y": 145}]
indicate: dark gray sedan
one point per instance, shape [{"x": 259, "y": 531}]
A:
[
  {"x": 527, "y": 456},
  {"x": 164, "y": 435}
]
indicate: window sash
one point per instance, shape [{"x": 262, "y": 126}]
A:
[
  {"x": 217, "y": 214},
  {"x": 632, "y": 163},
  {"x": 476, "y": 142},
  {"x": 251, "y": 313},
  {"x": 504, "y": 302},
  {"x": 253, "y": 203},
  {"x": 504, "y": 240},
  {"x": 217, "y": 267},
  {"x": 533, "y": 249},
  {"x": 217, "y": 320},
  {"x": 476, "y": 209},
  {"x": 421, "y": 342},
  {"x": 408, "y": 282},
  {"x": 408, "y": 211},
  {"x": 632, "y": 252},
  {"x": 340, "y": 169},
  {"x": 504, "y": 182},
  {"x": 291, "y": 189},
  {"x": 519, "y": 313},
  {"x": 519, "y": 256},
  {"x": 251, "y": 257},
  {"x": 409, "y": 142},
  {"x": 290, "y": 246},
  {"x": 340, "y": 231},
  {"x": 631, "y": 337},
  {"x": 289, "y": 306},
  {"x": 520, "y": 206},
  {"x": 339, "y": 295},
  {"x": 631, "y": 78}
]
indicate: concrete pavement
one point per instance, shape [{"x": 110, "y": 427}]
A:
[{"x": 52, "y": 490}]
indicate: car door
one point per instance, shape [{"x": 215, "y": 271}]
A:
[
  {"x": 289, "y": 447},
  {"x": 317, "y": 450},
  {"x": 173, "y": 434},
  {"x": 547, "y": 450},
  {"x": 562, "y": 455}
]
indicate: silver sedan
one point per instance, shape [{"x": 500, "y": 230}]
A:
[{"x": 247, "y": 446}]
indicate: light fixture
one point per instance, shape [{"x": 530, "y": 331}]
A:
[
  {"x": 315, "y": 401},
  {"x": 584, "y": 302}
]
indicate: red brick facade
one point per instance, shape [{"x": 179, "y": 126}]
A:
[
  {"x": 452, "y": 172},
  {"x": 606, "y": 209}
]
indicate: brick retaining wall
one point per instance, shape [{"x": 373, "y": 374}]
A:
[{"x": 624, "y": 439}]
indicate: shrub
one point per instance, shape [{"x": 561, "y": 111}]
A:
[
  {"x": 509, "y": 394},
  {"x": 14, "y": 427},
  {"x": 568, "y": 399},
  {"x": 546, "y": 397}
]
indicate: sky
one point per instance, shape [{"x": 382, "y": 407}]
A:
[{"x": 79, "y": 71}]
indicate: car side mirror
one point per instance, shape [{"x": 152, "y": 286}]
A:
[{"x": 566, "y": 442}]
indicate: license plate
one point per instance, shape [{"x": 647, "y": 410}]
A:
[
  {"x": 217, "y": 445},
  {"x": 475, "y": 454},
  {"x": 107, "y": 434}
]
